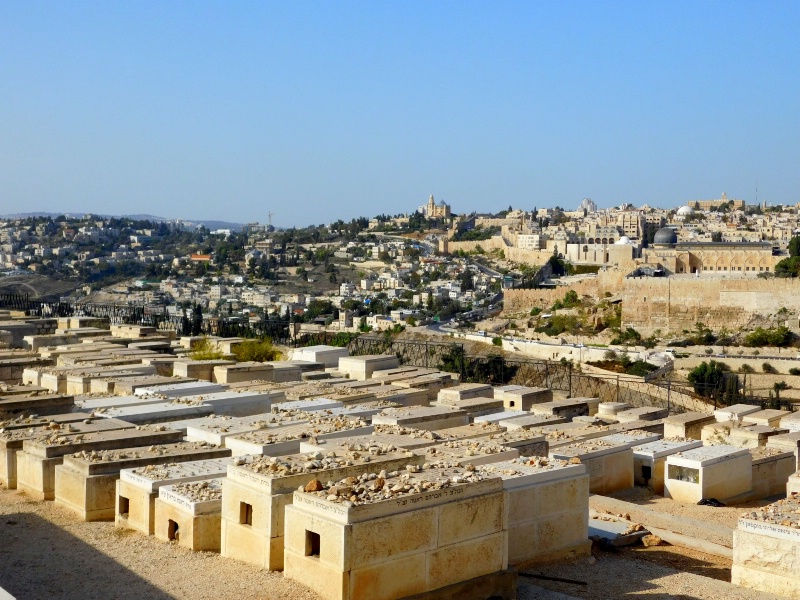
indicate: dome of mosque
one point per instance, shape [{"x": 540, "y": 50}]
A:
[{"x": 665, "y": 235}]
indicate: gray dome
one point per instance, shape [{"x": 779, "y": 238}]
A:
[{"x": 665, "y": 235}]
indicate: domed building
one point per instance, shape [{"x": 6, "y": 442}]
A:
[
  {"x": 665, "y": 237},
  {"x": 623, "y": 241},
  {"x": 683, "y": 212}
]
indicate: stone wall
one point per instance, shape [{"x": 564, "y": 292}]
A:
[
  {"x": 677, "y": 303},
  {"x": 608, "y": 281}
]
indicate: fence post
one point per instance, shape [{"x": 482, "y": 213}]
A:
[
  {"x": 547, "y": 375},
  {"x": 570, "y": 381},
  {"x": 618, "y": 400},
  {"x": 426, "y": 354},
  {"x": 669, "y": 389}
]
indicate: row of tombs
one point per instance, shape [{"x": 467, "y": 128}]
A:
[{"x": 338, "y": 469}]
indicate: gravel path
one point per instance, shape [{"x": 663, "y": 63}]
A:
[{"x": 45, "y": 552}]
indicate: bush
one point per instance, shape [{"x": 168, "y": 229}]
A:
[
  {"x": 256, "y": 351},
  {"x": 794, "y": 371},
  {"x": 708, "y": 351},
  {"x": 768, "y": 368},
  {"x": 629, "y": 337},
  {"x": 774, "y": 336},
  {"x": 745, "y": 368},
  {"x": 205, "y": 350},
  {"x": 535, "y": 311},
  {"x": 497, "y": 341}
]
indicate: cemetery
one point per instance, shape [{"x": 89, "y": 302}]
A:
[{"x": 359, "y": 477}]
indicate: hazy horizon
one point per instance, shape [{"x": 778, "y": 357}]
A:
[{"x": 317, "y": 111}]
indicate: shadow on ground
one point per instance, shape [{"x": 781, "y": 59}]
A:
[{"x": 59, "y": 565}]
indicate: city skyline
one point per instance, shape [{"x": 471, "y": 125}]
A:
[{"x": 315, "y": 112}]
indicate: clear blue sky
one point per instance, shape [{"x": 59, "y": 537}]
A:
[{"x": 325, "y": 110}]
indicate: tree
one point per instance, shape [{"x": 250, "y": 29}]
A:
[
  {"x": 708, "y": 378},
  {"x": 794, "y": 246}
]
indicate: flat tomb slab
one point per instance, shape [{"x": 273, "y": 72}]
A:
[
  {"x": 465, "y": 391},
  {"x": 769, "y": 417},
  {"x": 37, "y": 404},
  {"x": 643, "y": 413},
  {"x": 422, "y": 417},
  {"x": 11, "y": 441},
  {"x": 687, "y": 425},
  {"x": 285, "y": 439},
  {"x": 734, "y": 412},
  {"x": 86, "y": 483},
  {"x": 178, "y": 390},
  {"x": 38, "y": 458},
  {"x": 529, "y": 421}
]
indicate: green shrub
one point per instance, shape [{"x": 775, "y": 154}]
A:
[
  {"x": 256, "y": 351},
  {"x": 497, "y": 341},
  {"x": 768, "y": 368},
  {"x": 774, "y": 336},
  {"x": 794, "y": 371},
  {"x": 205, "y": 350},
  {"x": 535, "y": 311},
  {"x": 745, "y": 368}
]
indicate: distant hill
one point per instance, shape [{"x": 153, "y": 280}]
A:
[{"x": 211, "y": 224}]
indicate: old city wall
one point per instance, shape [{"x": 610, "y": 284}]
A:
[
  {"x": 676, "y": 303},
  {"x": 608, "y": 281}
]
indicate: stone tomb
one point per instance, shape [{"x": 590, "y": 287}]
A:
[
  {"x": 735, "y": 412},
  {"x": 215, "y": 428},
  {"x": 766, "y": 547},
  {"x": 787, "y": 442},
  {"x": 180, "y": 390},
  {"x": 650, "y": 459},
  {"x": 12, "y": 439},
  {"x": 285, "y": 439},
  {"x": 791, "y": 422},
  {"x": 547, "y": 503},
  {"x": 467, "y": 452},
  {"x": 527, "y": 443},
  {"x": 529, "y": 421},
  {"x": 46, "y": 404},
  {"x": 771, "y": 470},
  {"x": 432, "y": 384},
  {"x": 642, "y": 413},
  {"x": 517, "y": 397},
  {"x": 190, "y": 514},
  {"x": 37, "y": 461},
  {"x": 199, "y": 369},
  {"x": 156, "y": 412},
  {"x": 306, "y": 405},
  {"x": 610, "y": 466},
  {"x": 86, "y": 482},
  {"x": 237, "y": 403},
  {"x": 327, "y": 355},
  {"x": 362, "y": 367},
  {"x": 476, "y": 407},
  {"x": 464, "y": 391},
  {"x": 769, "y": 417},
  {"x": 422, "y": 417},
  {"x": 437, "y": 530},
  {"x": 244, "y": 371},
  {"x": 570, "y": 408},
  {"x": 722, "y": 472},
  {"x": 137, "y": 489},
  {"x": 687, "y": 425},
  {"x": 258, "y": 489},
  {"x": 610, "y": 409},
  {"x": 753, "y": 436}
]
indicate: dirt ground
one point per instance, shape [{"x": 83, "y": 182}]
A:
[{"x": 46, "y": 552}]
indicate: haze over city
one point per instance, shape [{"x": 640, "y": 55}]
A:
[{"x": 318, "y": 111}]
